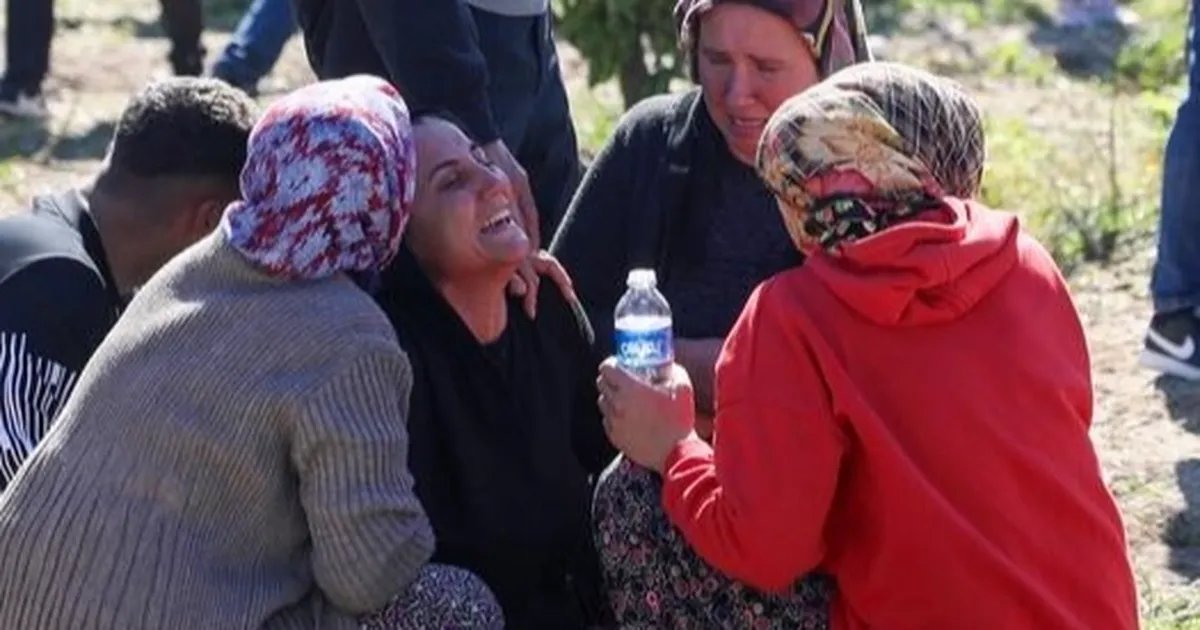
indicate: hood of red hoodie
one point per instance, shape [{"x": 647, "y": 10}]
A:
[{"x": 924, "y": 272}]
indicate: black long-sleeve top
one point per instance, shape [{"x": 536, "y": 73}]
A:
[
  {"x": 666, "y": 193},
  {"x": 58, "y": 300},
  {"x": 504, "y": 440}
]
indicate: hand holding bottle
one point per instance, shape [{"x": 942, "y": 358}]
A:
[{"x": 644, "y": 420}]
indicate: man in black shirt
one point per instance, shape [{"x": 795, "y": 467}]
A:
[{"x": 68, "y": 265}]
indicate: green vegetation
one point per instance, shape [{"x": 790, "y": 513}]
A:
[{"x": 632, "y": 41}]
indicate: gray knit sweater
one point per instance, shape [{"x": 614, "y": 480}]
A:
[{"x": 234, "y": 456}]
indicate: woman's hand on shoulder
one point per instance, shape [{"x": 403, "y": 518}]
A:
[{"x": 529, "y": 276}]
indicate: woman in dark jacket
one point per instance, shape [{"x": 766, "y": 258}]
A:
[
  {"x": 675, "y": 189},
  {"x": 504, "y": 430}
]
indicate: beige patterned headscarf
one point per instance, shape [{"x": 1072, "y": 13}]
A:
[{"x": 871, "y": 145}]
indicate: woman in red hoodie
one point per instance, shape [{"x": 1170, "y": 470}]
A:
[{"x": 906, "y": 413}]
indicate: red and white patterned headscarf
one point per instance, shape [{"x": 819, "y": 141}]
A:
[{"x": 328, "y": 181}]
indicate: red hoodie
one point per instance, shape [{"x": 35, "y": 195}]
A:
[{"x": 912, "y": 419}]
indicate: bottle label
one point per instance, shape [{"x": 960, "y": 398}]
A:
[{"x": 644, "y": 348}]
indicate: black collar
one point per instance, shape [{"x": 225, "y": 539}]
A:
[{"x": 72, "y": 207}]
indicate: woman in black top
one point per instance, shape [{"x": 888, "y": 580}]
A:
[
  {"x": 504, "y": 430},
  {"x": 675, "y": 189}
]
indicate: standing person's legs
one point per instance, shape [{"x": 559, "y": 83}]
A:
[
  {"x": 550, "y": 151},
  {"x": 529, "y": 104},
  {"x": 654, "y": 580},
  {"x": 183, "y": 20},
  {"x": 27, "y": 51},
  {"x": 1174, "y": 333},
  {"x": 256, "y": 46}
]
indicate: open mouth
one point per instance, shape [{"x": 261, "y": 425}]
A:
[
  {"x": 746, "y": 124},
  {"x": 498, "y": 223}
]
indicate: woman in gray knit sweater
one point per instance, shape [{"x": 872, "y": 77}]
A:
[{"x": 235, "y": 454}]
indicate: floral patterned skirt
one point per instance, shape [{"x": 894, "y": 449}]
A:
[
  {"x": 654, "y": 580},
  {"x": 442, "y": 597}
]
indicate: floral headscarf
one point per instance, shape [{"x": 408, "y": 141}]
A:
[
  {"x": 835, "y": 29},
  {"x": 328, "y": 181},
  {"x": 870, "y": 146}
]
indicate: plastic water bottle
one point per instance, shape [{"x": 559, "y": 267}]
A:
[{"x": 644, "y": 341}]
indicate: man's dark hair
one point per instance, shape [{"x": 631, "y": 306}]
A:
[{"x": 184, "y": 127}]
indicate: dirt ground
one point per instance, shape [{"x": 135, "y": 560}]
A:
[{"x": 1147, "y": 429}]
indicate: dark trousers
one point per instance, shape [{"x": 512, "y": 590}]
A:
[
  {"x": 183, "y": 22},
  {"x": 529, "y": 104},
  {"x": 27, "y": 45},
  {"x": 1175, "y": 282}
]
